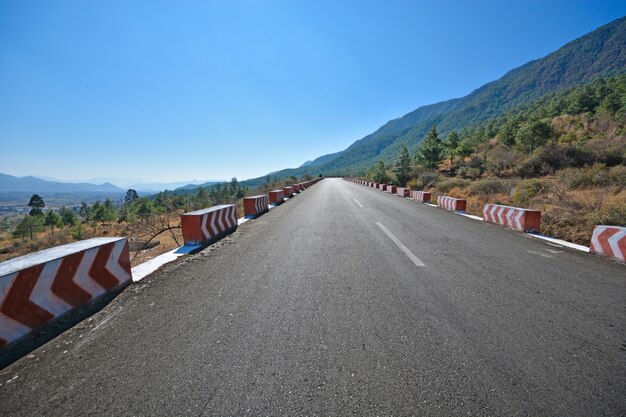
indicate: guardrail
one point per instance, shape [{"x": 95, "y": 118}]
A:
[
  {"x": 421, "y": 196},
  {"x": 451, "y": 203},
  {"x": 276, "y": 197},
  {"x": 256, "y": 205},
  {"x": 609, "y": 241},
  {"x": 38, "y": 289},
  {"x": 522, "y": 220}
]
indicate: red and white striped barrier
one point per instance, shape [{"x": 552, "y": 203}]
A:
[
  {"x": 203, "y": 227},
  {"x": 609, "y": 241},
  {"x": 403, "y": 192},
  {"x": 38, "y": 288},
  {"x": 276, "y": 197},
  {"x": 451, "y": 203},
  {"x": 255, "y": 205},
  {"x": 392, "y": 189},
  {"x": 383, "y": 187},
  {"x": 519, "y": 219},
  {"x": 288, "y": 192},
  {"x": 421, "y": 196}
]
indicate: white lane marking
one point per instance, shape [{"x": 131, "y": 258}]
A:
[
  {"x": 357, "y": 201},
  {"x": 545, "y": 255},
  {"x": 404, "y": 249}
]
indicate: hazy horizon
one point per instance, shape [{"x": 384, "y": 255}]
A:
[{"x": 220, "y": 89}]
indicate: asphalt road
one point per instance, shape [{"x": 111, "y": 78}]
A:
[{"x": 347, "y": 301}]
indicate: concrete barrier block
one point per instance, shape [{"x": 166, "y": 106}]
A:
[
  {"x": 256, "y": 205},
  {"x": 39, "y": 288},
  {"x": 203, "y": 227},
  {"x": 609, "y": 241},
  {"x": 451, "y": 203},
  {"x": 288, "y": 192},
  {"x": 421, "y": 196},
  {"x": 403, "y": 192},
  {"x": 515, "y": 218},
  {"x": 383, "y": 187},
  {"x": 276, "y": 197},
  {"x": 391, "y": 189}
]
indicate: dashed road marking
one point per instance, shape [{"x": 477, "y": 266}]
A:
[
  {"x": 404, "y": 249},
  {"x": 357, "y": 201}
]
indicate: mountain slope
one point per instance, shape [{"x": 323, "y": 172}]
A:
[
  {"x": 600, "y": 53},
  {"x": 9, "y": 183}
]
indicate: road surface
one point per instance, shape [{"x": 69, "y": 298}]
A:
[{"x": 347, "y": 301}]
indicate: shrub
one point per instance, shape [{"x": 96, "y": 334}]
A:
[
  {"x": 617, "y": 176},
  {"x": 501, "y": 158},
  {"x": 524, "y": 190},
  {"x": 613, "y": 215},
  {"x": 445, "y": 186},
  {"x": 78, "y": 232},
  {"x": 595, "y": 175},
  {"x": 469, "y": 172},
  {"x": 423, "y": 181},
  {"x": 490, "y": 186}
]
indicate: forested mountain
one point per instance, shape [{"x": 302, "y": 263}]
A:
[{"x": 600, "y": 53}]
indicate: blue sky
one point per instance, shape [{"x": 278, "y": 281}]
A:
[{"x": 170, "y": 91}]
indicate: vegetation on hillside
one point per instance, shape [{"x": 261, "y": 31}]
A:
[{"x": 563, "y": 153}]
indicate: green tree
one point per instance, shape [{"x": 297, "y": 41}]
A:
[
  {"x": 507, "y": 132},
  {"x": 104, "y": 212},
  {"x": 131, "y": 196},
  {"x": 451, "y": 144},
  {"x": 68, "y": 217},
  {"x": 234, "y": 185},
  {"x": 466, "y": 148},
  {"x": 146, "y": 208},
  {"x": 402, "y": 166},
  {"x": 36, "y": 204},
  {"x": 53, "y": 219},
  {"x": 532, "y": 134},
  {"x": 85, "y": 211},
  {"x": 430, "y": 151},
  {"x": 28, "y": 226},
  {"x": 379, "y": 173}
]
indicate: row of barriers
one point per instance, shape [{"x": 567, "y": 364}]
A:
[
  {"x": 608, "y": 241},
  {"x": 203, "y": 227},
  {"x": 41, "y": 288}
]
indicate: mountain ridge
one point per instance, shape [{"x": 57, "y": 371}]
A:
[
  {"x": 9, "y": 183},
  {"x": 599, "y": 53}
]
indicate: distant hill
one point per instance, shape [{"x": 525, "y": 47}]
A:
[
  {"x": 155, "y": 187},
  {"x": 194, "y": 186},
  {"x": 9, "y": 183},
  {"x": 600, "y": 53}
]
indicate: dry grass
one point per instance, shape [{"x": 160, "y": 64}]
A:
[{"x": 567, "y": 213}]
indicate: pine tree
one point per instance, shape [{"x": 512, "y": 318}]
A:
[
  {"x": 379, "y": 173},
  {"x": 131, "y": 196},
  {"x": 451, "y": 144},
  {"x": 37, "y": 204},
  {"x": 52, "y": 219},
  {"x": 68, "y": 217},
  {"x": 430, "y": 151},
  {"x": 402, "y": 166}
]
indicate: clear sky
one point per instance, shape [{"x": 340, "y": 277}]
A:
[{"x": 179, "y": 90}]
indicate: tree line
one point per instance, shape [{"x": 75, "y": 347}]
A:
[
  {"x": 133, "y": 209},
  {"x": 527, "y": 141}
]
